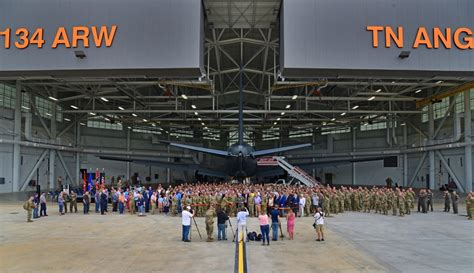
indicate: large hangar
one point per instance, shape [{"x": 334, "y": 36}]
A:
[{"x": 161, "y": 93}]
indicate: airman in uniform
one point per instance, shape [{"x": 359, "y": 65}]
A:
[
  {"x": 251, "y": 205},
  {"x": 447, "y": 201},
  {"x": 131, "y": 198},
  {"x": 307, "y": 205},
  {"x": 454, "y": 199},
  {"x": 326, "y": 204},
  {"x": 470, "y": 206},
  {"x": 210, "y": 214},
  {"x": 401, "y": 204},
  {"x": 29, "y": 206},
  {"x": 73, "y": 203}
]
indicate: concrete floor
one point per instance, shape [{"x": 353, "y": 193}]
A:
[{"x": 356, "y": 242}]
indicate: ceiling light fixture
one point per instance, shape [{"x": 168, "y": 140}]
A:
[
  {"x": 355, "y": 107},
  {"x": 92, "y": 113},
  {"x": 121, "y": 108},
  {"x": 288, "y": 106},
  {"x": 202, "y": 123},
  {"x": 24, "y": 107},
  {"x": 417, "y": 91},
  {"x": 333, "y": 119},
  {"x": 294, "y": 97},
  {"x": 403, "y": 124},
  {"x": 343, "y": 114},
  {"x": 378, "y": 90},
  {"x": 439, "y": 82},
  {"x": 184, "y": 96},
  {"x": 275, "y": 123},
  {"x": 107, "y": 119},
  {"x": 129, "y": 127},
  {"x": 196, "y": 113},
  {"x": 66, "y": 119},
  {"x": 205, "y": 128},
  {"x": 199, "y": 119},
  {"x": 53, "y": 98},
  {"x": 278, "y": 119},
  {"x": 48, "y": 114},
  {"x": 135, "y": 115},
  {"x": 193, "y": 106},
  {"x": 104, "y": 99},
  {"x": 282, "y": 113},
  {"x": 82, "y": 123},
  {"x": 74, "y": 107},
  {"x": 371, "y": 98},
  {"x": 145, "y": 120}
]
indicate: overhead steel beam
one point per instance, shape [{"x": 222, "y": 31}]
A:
[
  {"x": 445, "y": 94},
  {"x": 222, "y": 111}
]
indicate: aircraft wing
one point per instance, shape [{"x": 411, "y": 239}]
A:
[
  {"x": 279, "y": 150},
  {"x": 199, "y": 149},
  {"x": 328, "y": 163},
  {"x": 171, "y": 165}
]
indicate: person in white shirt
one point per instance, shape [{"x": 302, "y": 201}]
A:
[
  {"x": 186, "y": 217},
  {"x": 242, "y": 222},
  {"x": 319, "y": 224},
  {"x": 302, "y": 204}
]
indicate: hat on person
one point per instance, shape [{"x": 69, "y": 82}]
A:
[{"x": 188, "y": 207}]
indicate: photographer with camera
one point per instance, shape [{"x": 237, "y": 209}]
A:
[
  {"x": 186, "y": 217},
  {"x": 319, "y": 224}
]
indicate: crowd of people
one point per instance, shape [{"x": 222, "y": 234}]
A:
[{"x": 265, "y": 201}]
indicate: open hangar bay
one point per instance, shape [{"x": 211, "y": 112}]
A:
[{"x": 213, "y": 90}]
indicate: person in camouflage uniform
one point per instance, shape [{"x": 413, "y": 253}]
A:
[
  {"x": 470, "y": 205},
  {"x": 367, "y": 199},
  {"x": 251, "y": 204},
  {"x": 210, "y": 214},
  {"x": 401, "y": 204},
  {"x": 307, "y": 206},
  {"x": 327, "y": 204}
]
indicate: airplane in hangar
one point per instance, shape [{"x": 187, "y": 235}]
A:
[{"x": 241, "y": 159}]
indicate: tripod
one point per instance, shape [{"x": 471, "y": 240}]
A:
[
  {"x": 231, "y": 228},
  {"x": 200, "y": 237}
]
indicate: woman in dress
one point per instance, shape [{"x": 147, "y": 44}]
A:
[{"x": 290, "y": 223}]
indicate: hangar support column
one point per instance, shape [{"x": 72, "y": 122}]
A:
[
  {"x": 353, "y": 150},
  {"x": 405, "y": 156},
  {"x": 128, "y": 150},
  {"x": 52, "y": 153},
  {"x": 17, "y": 137},
  {"x": 468, "y": 139},
  {"x": 78, "y": 155},
  {"x": 431, "y": 154}
]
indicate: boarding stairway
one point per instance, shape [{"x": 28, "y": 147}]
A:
[{"x": 294, "y": 171}]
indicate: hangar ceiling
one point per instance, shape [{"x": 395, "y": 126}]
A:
[{"x": 238, "y": 33}]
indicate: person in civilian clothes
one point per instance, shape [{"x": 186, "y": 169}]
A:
[
  {"x": 186, "y": 217},
  {"x": 43, "y": 205},
  {"x": 97, "y": 201},
  {"x": 61, "y": 204},
  {"x": 319, "y": 224},
  {"x": 36, "y": 206},
  {"x": 221, "y": 224},
  {"x": 264, "y": 228},
  {"x": 141, "y": 204},
  {"x": 290, "y": 220},
  {"x": 275, "y": 214},
  {"x": 103, "y": 202},
  {"x": 86, "y": 202},
  {"x": 121, "y": 202}
]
